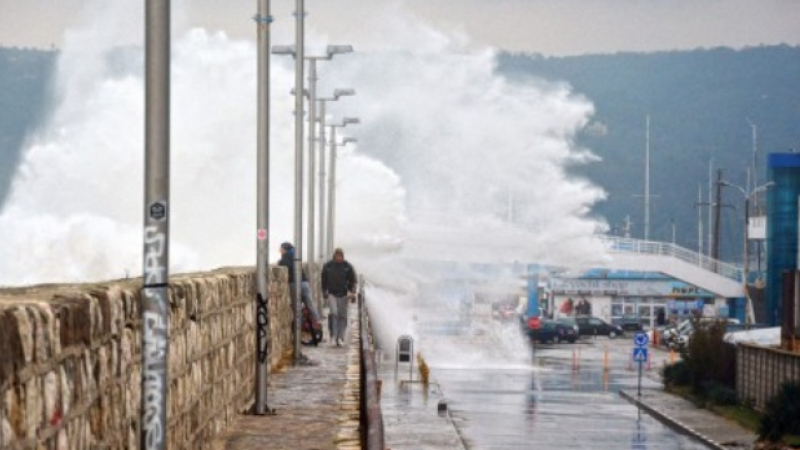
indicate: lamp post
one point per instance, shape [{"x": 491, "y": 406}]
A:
[
  {"x": 745, "y": 252},
  {"x": 337, "y": 93},
  {"x": 299, "y": 55},
  {"x": 332, "y": 177},
  {"x": 263, "y": 20},
  {"x": 330, "y": 51},
  {"x": 155, "y": 289}
]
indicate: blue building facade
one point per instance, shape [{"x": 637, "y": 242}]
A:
[{"x": 782, "y": 227}]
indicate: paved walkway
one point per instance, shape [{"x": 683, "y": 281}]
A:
[
  {"x": 317, "y": 406},
  {"x": 411, "y": 417},
  {"x": 713, "y": 430}
]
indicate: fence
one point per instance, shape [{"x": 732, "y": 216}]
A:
[
  {"x": 371, "y": 419},
  {"x": 760, "y": 372}
]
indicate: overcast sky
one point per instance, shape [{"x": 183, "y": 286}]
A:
[{"x": 550, "y": 27}]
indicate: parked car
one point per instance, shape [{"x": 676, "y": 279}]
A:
[
  {"x": 678, "y": 338},
  {"x": 570, "y": 322},
  {"x": 631, "y": 322},
  {"x": 552, "y": 331},
  {"x": 593, "y": 326}
]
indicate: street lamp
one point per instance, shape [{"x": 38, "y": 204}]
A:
[
  {"x": 263, "y": 20},
  {"x": 332, "y": 177},
  {"x": 297, "y": 51},
  {"x": 337, "y": 93},
  {"x": 745, "y": 251},
  {"x": 311, "y": 94}
]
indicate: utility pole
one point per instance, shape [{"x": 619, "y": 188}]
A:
[
  {"x": 627, "y": 229},
  {"x": 155, "y": 290},
  {"x": 754, "y": 138},
  {"x": 262, "y": 320},
  {"x": 673, "y": 232},
  {"x": 717, "y": 216},
  {"x": 699, "y": 220},
  {"x": 647, "y": 180},
  {"x": 710, "y": 203}
]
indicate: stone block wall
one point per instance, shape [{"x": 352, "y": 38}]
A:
[
  {"x": 70, "y": 360},
  {"x": 760, "y": 372}
]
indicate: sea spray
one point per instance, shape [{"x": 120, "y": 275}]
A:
[{"x": 454, "y": 162}]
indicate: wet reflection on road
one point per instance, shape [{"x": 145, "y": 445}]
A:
[{"x": 564, "y": 397}]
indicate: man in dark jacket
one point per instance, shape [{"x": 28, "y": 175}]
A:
[
  {"x": 338, "y": 283},
  {"x": 287, "y": 260}
]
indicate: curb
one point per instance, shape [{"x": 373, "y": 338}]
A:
[{"x": 672, "y": 422}]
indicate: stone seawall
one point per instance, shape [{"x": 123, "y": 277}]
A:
[{"x": 70, "y": 360}]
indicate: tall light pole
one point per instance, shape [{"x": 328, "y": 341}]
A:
[
  {"x": 312, "y": 135},
  {"x": 263, "y": 20},
  {"x": 300, "y": 15},
  {"x": 155, "y": 289},
  {"x": 330, "y": 51},
  {"x": 647, "y": 180},
  {"x": 745, "y": 252},
  {"x": 337, "y": 93},
  {"x": 332, "y": 178},
  {"x": 754, "y": 139}
]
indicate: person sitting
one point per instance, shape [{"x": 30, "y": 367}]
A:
[{"x": 287, "y": 260}]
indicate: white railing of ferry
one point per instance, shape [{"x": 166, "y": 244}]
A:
[{"x": 629, "y": 245}]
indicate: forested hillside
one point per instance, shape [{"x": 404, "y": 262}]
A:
[
  {"x": 24, "y": 87},
  {"x": 699, "y": 103}
]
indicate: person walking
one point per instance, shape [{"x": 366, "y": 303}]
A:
[
  {"x": 287, "y": 260},
  {"x": 338, "y": 283}
]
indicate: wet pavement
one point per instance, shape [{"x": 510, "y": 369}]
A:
[
  {"x": 566, "y": 396},
  {"x": 714, "y": 431},
  {"x": 487, "y": 391},
  {"x": 316, "y": 406},
  {"x": 411, "y": 416}
]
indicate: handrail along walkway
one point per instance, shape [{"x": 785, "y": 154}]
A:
[{"x": 372, "y": 436}]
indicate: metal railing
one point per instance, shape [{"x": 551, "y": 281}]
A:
[
  {"x": 628, "y": 245},
  {"x": 371, "y": 416}
]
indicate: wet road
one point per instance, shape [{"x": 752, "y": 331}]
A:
[{"x": 502, "y": 397}]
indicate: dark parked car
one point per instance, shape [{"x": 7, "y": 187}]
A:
[
  {"x": 631, "y": 322},
  {"x": 592, "y": 326},
  {"x": 555, "y": 332}
]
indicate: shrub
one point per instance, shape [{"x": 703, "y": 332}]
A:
[
  {"x": 709, "y": 359},
  {"x": 721, "y": 395},
  {"x": 782, "y": 413},
  {"x": 676, "y": 374}
]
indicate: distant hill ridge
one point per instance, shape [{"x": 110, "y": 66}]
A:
[{"x": 699, "y": 102}]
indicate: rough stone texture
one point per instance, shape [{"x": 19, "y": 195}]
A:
[
  {"x": 316, "y": 405},
  {"x": 70, "y": 360}
]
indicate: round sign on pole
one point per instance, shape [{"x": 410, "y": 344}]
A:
[{"x": 641, "y": 339}]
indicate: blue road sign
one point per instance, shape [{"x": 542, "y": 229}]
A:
[
  {"x": 641, "y": 339},
  {"x": 640, "y": 354}
]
